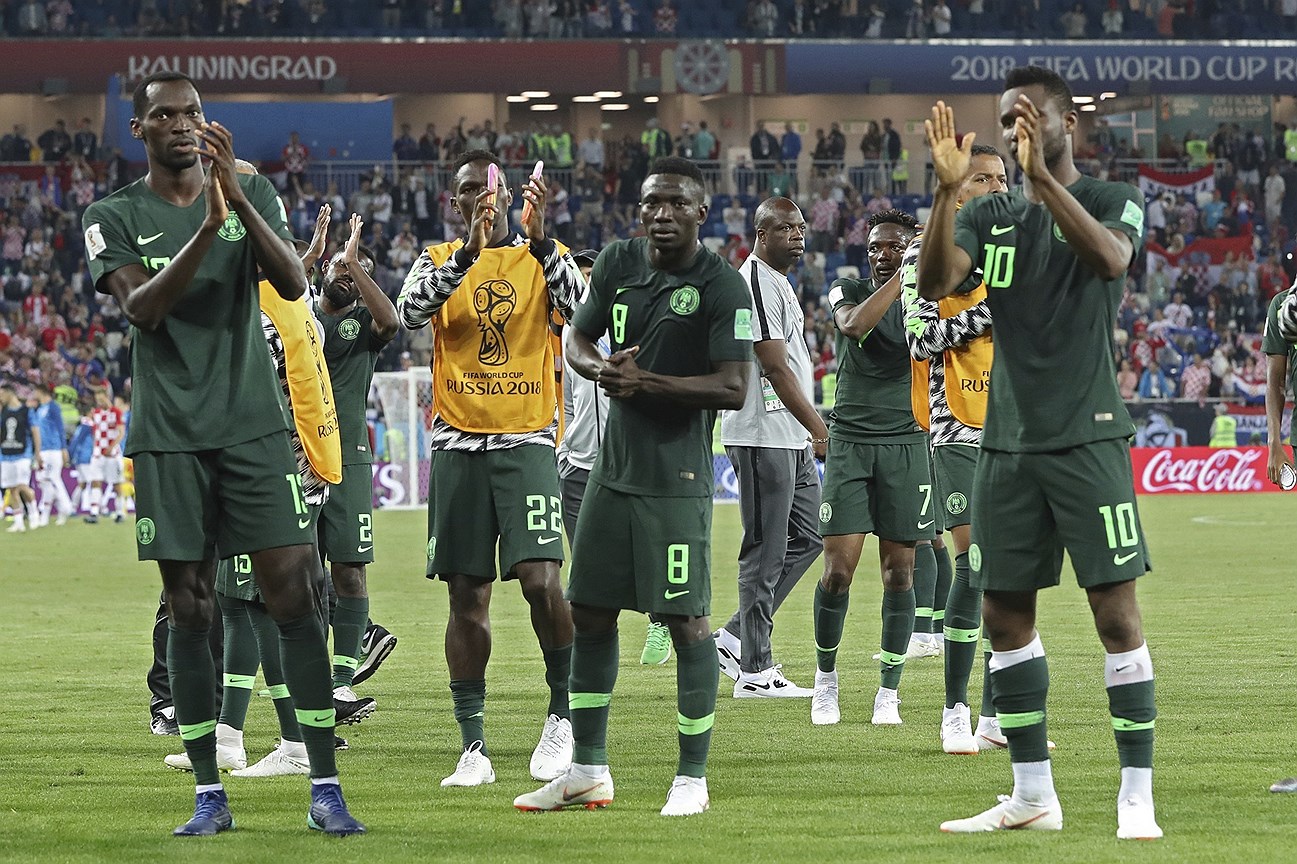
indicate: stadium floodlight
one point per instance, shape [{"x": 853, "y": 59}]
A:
[
  {"x": 650, "y": 99},
  {"x": 585, "y": 98},
  {"x": 1108, "y": 95},
  {"x": 1082, "y": 100},
  {"x": 536, "y": 94},
  {"x": 544, "y": 106},
  {"x": 608, "y": 94},
  {"x": 614, "y": 106},
  {"x": 1089, "y": 107},
  {"x": 516, "y": 98}
]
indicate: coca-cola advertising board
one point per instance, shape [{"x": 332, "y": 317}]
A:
[{"x": 1160, "y": 470}]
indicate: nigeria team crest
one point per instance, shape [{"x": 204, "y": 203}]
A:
[
  {"x": 232, "y": 229},
  {"x": 349, "y": 329},
  {"x": 684, "y": 300},
  {"x": 145, "y": 531}
]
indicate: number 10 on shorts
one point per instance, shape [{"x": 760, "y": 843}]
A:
[{"x": 1119, "y": 524}]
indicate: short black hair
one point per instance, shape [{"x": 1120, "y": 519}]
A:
[
  {"x": 893, "y": 217},
  {"x": 1055, "y": 87},
  {"x": 475, "y": 156},
  {"x": 586, "y": 255},
  {"x": 680, "y": 167},
  {"x": 985, "y": 150},
  {"x": 140, "y": 98},
  {"x": 368, "y": 253}
]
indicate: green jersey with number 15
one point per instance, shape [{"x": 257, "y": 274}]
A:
[{"x": 1054, "y": 381}]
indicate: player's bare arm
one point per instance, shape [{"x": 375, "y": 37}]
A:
[
  {"x": 772, "y": 354},
  {"x": 1276, "y": 375},
  {"x": 385, "y": 321},
  {"x": 942, "y": 264},
  {"x": 277, "y": 259},
  {"x": 145, "y": 300},
  {"x": 856, "y": 321},
  {"x": 583, "y": 354},
  {"x": 533, "y": 192},
  {"x": 724, "y": 388},
  {"x": 1105, "y": 250}
]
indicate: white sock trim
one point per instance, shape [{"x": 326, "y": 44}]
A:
[
  {"x": 325, "y": 781},
  {"x": 594, "y": 772},
  {"x": 1005, "y": 659},
  {"x": 208, "y": 787},
  {"x": 1128, "y": 667}
]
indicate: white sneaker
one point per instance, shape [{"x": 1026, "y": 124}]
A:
[
  {"x": 227, "y": 759},
  {"x": 17, "y": 528},
  {"x": 276, "y": 763},
  {"x": 726, "y": 655},
  {"x": 824, "y": 701},
  {"x": 1010, "y": 815},
  {"x": 991, "y": 737},
  {"x": 569, "y": 790},
  {"x": 474, "y": 769},
  {"x": 62, "y": 520},
  {"x": 887, "y": 708},
  {"x": 553, "y": 753},
  {"x": 922, "y": 645},
  {"x": 688, "y": 797},
  {"x": 956, "y": 732},
  {"x": 1135, "y": 820},
  {"x": 768, "y": 684}
]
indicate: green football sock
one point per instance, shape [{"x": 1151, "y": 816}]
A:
[
  {"x": 469, "y": 696},
  {"x": 594, "y": 673},
  {"x": 697, "y": 675},
  {"x": 272, "y": 669},
  {"x": 988, "y": 696},
  {"x": 898, "y": 619},
  {"x": 1133, "y": 713},
  {"x": 961, "y": 628},
  {"x": 1020, "y": 694},
  {"x": 830, "y": 617},
  {"x": 941, "y": 596},
  {"x": 558, "y": 669},
  {"x": 240, "y": 661},
  {"x": 193, "y": 691},
  {"x": 925, "y": 586},
  {"x": 305, "y": 656},
  {"x": 349, "y": 620}
]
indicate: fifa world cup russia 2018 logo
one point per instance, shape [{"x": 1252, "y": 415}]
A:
[{"x": 494, "y": 302}]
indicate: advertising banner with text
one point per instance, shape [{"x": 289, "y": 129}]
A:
[{"x": 1160, "y": 470}]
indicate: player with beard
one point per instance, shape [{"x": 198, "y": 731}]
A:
[
  {"x": 877, "y": 478},
  {"x": 1054, "y": 472},
  {"x": 359, "y": 321},
  {"x": 180, "y": 250}
]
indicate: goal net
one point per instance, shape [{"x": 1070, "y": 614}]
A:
[{"x": 401, "y": 432}]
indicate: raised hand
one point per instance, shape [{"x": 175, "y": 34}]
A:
[
  {"x": 481, "y": 224},
  {"x": 950, "y": 160},
  {"x": 219, "y": 148},
  {"x": 217, "y": 209},
  {"x": 351, "y": 253},
  {"x": 533, "y": 192}
]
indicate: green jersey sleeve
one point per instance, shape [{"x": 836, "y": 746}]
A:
[
  {"x": 108, "y": 241},
  {"x": 968, "y": 231},
  {"x": 1121, "y": 208},
  {"x": 591, "y": 316},
  {"x": 268, "y": 203},
  {"x": 845, "y": 292},
  {"x": 730, "y": 326},
  {"x": 1272, "y": 342}
]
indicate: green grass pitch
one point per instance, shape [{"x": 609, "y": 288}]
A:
[{"x": 81, "y": 779}]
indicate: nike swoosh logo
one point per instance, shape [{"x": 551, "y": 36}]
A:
[
  {"x": 619, "y": 290},
  {"x": 755, "y": 686},
  {"x": 1122, "y": 559},
  {"x": 543, "y": 540},
  {"x": 996, "y": 230},
  {"x": 321, "y": 717},
  {"x": 303, "y": 523},
  {"x": 569, "y": 795},
  {"x": 1007, "y": 827},
  {"x": 242, "y": 581},
  {"x": 671, "y": 595},
  {"x": 1123, "y": 667},
  {"x": 924, "y": 525},
  {"x": 364, "y": 548},
  {"x": 144, "y": 241}
]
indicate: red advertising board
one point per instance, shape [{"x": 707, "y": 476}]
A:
[{"x": 1160, "y": 470}]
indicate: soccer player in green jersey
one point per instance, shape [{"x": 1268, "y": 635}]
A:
[
  {"x": 1054, "y": 473},
  {"x": 359, "y": 321},
  {"x": 680, "y": 325},
  {"x": 215, "y": 473},
  {"x": 877, "y": 479}
]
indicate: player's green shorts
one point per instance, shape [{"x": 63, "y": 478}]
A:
[
  {"x": 478, "y": 499},
  {"x": 234, "y": 577},
  {"x": 346, "y": 529},
  {"x": 219, "y": 503},
  {"x": 954, "y": 465},
  {"x": 881, "y": 489},
  {"x": 641, "y": 553},
  {"x": 1029, "y": 507}
]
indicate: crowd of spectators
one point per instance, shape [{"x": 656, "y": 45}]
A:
[{"x": 569, "y": 19}]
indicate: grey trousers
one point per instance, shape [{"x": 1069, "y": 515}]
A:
[{"x": 779, "y": 503}]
